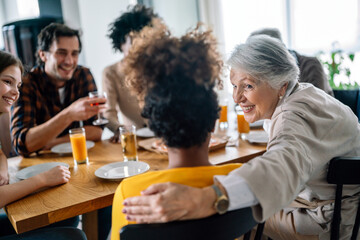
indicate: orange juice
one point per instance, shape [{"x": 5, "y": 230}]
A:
[
  {"x": 78, "y": 145},
  {"x": 243, "y": 125},
  {"x": 223, "y": 114}
]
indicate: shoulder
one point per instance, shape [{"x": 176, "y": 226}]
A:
[
  {"x": 35, "y": 73},
  {"x": 114, "y": 69},
  {"x": 83, "y": 74},
  {"x": 310, "y": 107},
  {"x": 113, "y": 73},
  {"x": 308, "y": 62},
  {"x": 82, "y": 69}
]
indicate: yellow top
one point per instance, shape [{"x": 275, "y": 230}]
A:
[{"x": 192, "y": 176}]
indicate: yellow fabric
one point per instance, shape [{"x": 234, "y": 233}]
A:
[{"x": 191, "y": 176}]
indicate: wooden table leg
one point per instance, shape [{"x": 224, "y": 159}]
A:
[{"x": 90, "y": 225}]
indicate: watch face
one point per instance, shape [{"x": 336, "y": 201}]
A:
[{"x": 222, "y": 205}]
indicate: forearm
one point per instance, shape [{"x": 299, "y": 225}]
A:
[
  {"x": 15, "y": 191},
  {"x": 207, "y": 203},
  {"x": 237, "y": 191},
  {"x": 4, "y": 176},
  {"x": 39, "y": 136},
  {"x": 93, "y": 133},
  {"x": 3, "y": 161},
  {"x": 114, "y": 123}
]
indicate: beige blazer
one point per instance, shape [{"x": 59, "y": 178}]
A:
[{"x": 120, "y": 99}]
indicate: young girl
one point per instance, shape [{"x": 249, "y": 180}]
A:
[{"x": 11, "y": 70}]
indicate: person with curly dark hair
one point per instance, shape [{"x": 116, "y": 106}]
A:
[
  {"x": 120, "y": 32},
  {"x": 174, "y": 80}
]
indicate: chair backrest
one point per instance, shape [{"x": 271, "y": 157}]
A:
[
  {"x": 350, "y": 98},
  {"x": 343, "y": 170},
  {"x": 227, "y": 226}
]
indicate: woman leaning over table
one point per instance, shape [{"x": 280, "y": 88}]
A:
[
  {"x": 11, "y": 70},
  {"x": 286, "y": 186}
]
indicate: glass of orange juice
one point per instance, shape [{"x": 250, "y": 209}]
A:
[
  {"x": 223, "y": 121},
  {"x": 242, "y": 124},
  {"x": 78, "y": 145}
]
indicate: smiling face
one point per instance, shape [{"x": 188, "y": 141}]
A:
[
  {"x": 257, "y": 98},
  {"x": 61, "y": 59},
  {"x": 10, "y": 81}
]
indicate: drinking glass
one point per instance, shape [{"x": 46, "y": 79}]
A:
[
  {"x": 128, "y": 142},
  {"x": 100, "y": 120},
  {"x": 78, "y": 145},
  {"x": 223, "y": 121},
  {"x": 243, "y": 125}
]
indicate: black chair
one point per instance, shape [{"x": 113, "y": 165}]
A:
[
  {"x": 343, "y": 170},
  {"x": 350, "y": 98},
  {"x": 217, "y": 227}
]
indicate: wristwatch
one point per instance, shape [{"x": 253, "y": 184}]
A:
[{"x": 222, "y": 202}]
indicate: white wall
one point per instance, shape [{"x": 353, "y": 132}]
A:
[
  {"x": 93, "y": 18},
  {"x": 2, "y": 22},
  {"x": 179, "y": 15},
  {"x": 96, "y": 44}
]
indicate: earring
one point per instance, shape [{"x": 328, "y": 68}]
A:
[{"x": 281, "y": 97}]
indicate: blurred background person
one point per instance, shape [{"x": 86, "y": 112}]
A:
[
  {"x": 311, "y": 70},
  {"x": 113, "y": 78}
]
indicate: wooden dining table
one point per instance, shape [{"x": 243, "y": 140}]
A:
[{"x": 85, "y": 193}]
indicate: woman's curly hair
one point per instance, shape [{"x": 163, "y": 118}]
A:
[
  {"x": 174, "y": 79},
  {"x": 134, "y": 20}
]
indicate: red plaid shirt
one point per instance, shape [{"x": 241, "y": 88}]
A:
[{"x": 39, "y": 101}]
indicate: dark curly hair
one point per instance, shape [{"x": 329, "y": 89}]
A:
[
  {"x": 134, "y": 20},
  {"x": 174, "y": 79},
  {"x": 51, "y": 33}
]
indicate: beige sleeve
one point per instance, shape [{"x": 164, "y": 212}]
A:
[{"x": 109, "y": 86}]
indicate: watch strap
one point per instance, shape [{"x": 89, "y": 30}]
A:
[{"x": 217, "y": 191}]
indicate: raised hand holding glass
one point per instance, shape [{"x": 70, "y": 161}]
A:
[{"x": 100, "y": 120}]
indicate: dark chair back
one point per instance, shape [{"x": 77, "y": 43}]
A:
[
  {"x": 343, "y": 170},
  {"x": 227, "y": 226},
  {"x": 350, "y": 98}
]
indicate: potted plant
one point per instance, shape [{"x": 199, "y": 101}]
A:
[{"x": 339, "y": 72}]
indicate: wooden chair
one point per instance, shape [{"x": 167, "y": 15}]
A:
[
  {"x": 343, "y": 170},
  {"x": 227, "y": 226}
]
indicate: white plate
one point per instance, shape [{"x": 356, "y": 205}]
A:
[
  {"x": 259, "y": 137},
  {"x": 36, "y": 169},
  {"x": 66, "y": 147},
  {"x": 145, "y": 132},
  {"x": 120, "y": 170},
  {"x": 257, "y": 124}
]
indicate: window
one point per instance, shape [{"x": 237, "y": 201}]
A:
[
  {"x": 318, "y": 24},
  {"x": 28, "y": 8},
  {"x": 241, "y": 17},
  {"x": 307, "y": 26}
]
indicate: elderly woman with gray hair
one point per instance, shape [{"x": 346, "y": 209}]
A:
[{"x": 287, "y": 185}]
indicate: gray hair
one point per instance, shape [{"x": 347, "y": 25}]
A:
[
  {"x": 266, "y": 59},
  {"x": 272, "y": 32}
]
